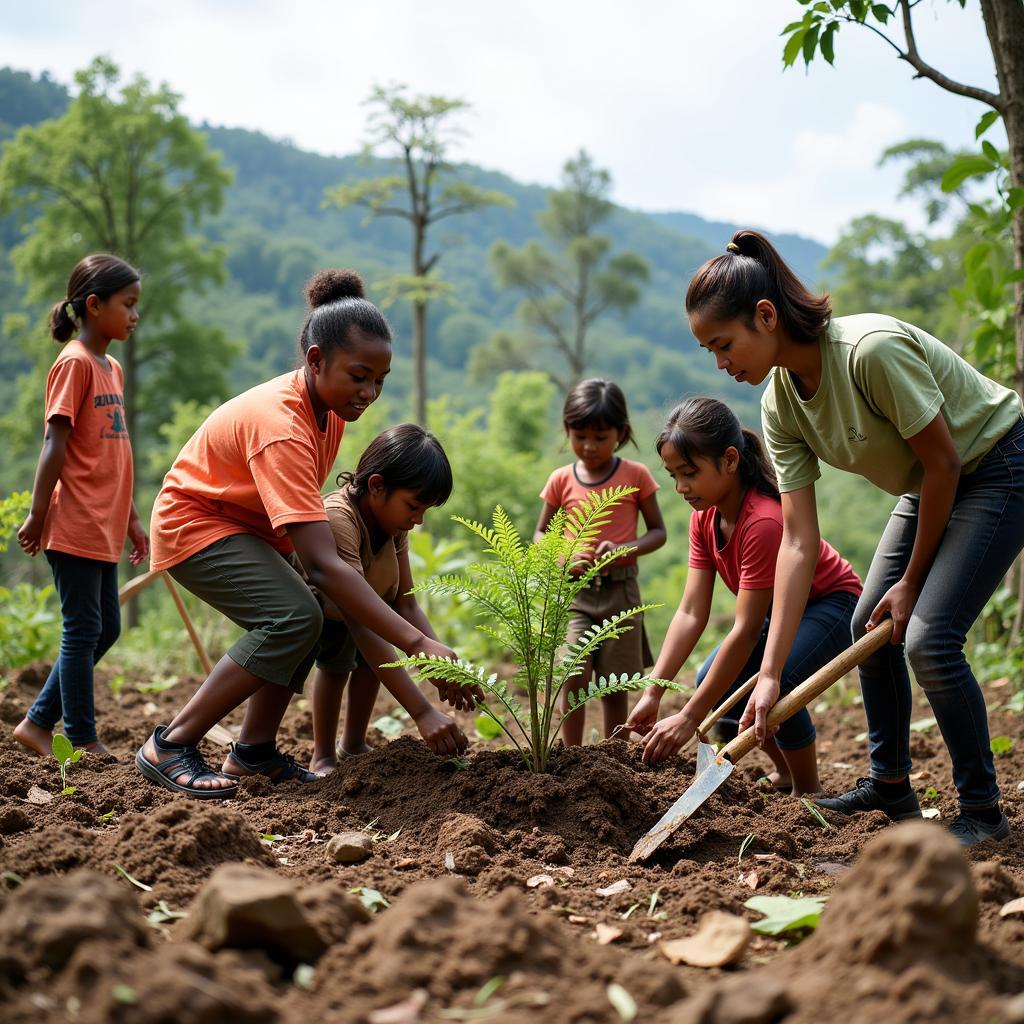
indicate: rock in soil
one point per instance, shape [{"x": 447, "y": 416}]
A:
[
  {"x": 248, "y": 907},
  {"x": 349, "y": 847}
]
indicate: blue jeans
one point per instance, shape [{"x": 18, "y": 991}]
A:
[
  {"x": 92, "y": 622},
  {"x": 984, "y": 535},
  {"x": 824, "y": 632}
]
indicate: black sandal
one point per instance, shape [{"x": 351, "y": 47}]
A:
[
  {"x": 188, "y": 764},
  {"x": 279, "y": 767}
]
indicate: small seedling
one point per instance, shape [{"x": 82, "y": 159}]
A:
[
  {"x": 109, "y": 816},
  {"x": 371, "y": 899},
  {"x": 487, "y": 990},
  {"x": 816, "y": 814},
  {"x": 157, "y": 685},
  {"x": 66, "y": 756},
  {"x": 11, "y": 878},
  {"x": 655, "y": 896},
  {"x": 457, "y": 764},
  {"x": 627, "y": 914},
  {"x": 124, "y": 874},
  {"x": 931, "y": 793},
  {"x": 117, "y": 685},
  {"x": 745, "y": 845},
  {"x": 269, "y": 838},
  {"x": 1001, "y": 745}
]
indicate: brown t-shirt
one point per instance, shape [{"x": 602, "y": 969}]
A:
[
  {"x": 352, "y": 537},
  {"x": 89, "y": 507}
]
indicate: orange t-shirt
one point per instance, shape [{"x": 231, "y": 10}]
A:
[
  {"x": 255, "y": 465},
  {"x": 89, "y": 507},
  {"x": 565, "y": 490}
]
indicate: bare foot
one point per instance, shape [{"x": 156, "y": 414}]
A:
[
  {"x": 357, "y": 748},
  {"x": 33, "y": 736},
  {"x": 99, "y": 750},
  {"x": 783, "y": 783},
  {"x": 155, "y": 757},
  {"x": 323, "y": 765}
]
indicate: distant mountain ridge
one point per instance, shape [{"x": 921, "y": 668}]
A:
[{"x": 278, "y": 232}]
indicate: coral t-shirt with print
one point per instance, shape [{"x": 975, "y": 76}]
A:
[
  {"x": 89, "y": 507},
  {"x": 255, "y": 466}
]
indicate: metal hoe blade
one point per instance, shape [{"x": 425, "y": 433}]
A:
[{"x": 711, "y": 773}]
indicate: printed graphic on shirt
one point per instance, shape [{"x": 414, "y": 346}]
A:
[
  {"x": 855, "y": 435},
  {"x": 117, "y": 429}
]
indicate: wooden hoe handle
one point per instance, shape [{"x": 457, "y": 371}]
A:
[{"x": 813, "y": 687}]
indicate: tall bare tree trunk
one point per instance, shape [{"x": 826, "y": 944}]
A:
[
  {"x": 419, "y": 354},
  {"x": 1004, "y": 23}
]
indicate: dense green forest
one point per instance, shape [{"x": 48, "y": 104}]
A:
[{"x": 277, "y": 232}]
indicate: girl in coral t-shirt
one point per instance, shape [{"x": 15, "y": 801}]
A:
[
  {"x": 240, "y": 513},
  {"x": 82, "y": 506},
  {"x": 596, "y": 423},
  {"x": 735, "y": 530}
]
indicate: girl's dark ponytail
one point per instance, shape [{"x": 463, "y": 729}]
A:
[
  {"x": 406, "y": 457},
  {"x": 756, "y": 469},
  {"x": 729, "y": 287},
  {"x": 62, "y": 326},
  {"x": 706, "y": 428},
  {"x": 99, "y": 274}
]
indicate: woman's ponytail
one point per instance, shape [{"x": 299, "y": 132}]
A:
[
  {"x": 99, "y": 274},
  {"x": 729, "y": 287},
  {"x": 756, "y": 469}
]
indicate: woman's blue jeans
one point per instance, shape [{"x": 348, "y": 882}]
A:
[
  {"x": 984, "y": 535},
  {"x": 91, "y": 624},
  {"x": 823, "y": 633}
]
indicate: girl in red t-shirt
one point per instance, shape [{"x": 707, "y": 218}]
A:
[
  {"x": 735, "y": 530},
  {"x": 82, "y": 506},
  {"x": 597, "y": 425}
]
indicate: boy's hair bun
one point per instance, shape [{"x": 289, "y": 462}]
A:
[{"x": 328, "y": 286}]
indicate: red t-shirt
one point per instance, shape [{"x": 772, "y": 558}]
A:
[
  {"x": 256, "y": 465},
  {"x": 747, "y": 561},
  {"x": 563, "y": 490},
  {"x": 90, "y": 506}
]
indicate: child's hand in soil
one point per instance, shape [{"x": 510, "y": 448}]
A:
[
  {"x": 668, "y": 736},
  {"x": 645, "y": 714},
  {"x": 441, "y": 733}
]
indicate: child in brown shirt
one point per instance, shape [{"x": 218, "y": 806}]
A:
[{"x": 402, "y": 473}]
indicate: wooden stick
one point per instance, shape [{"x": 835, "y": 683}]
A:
[
  {"x": 728, "y": 703},
  {"x": 204, "y": 658},
  {"x": 136, "y": 585}
]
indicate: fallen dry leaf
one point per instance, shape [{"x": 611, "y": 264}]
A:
[
  {"x": 615, "y": 888},
  {"x": 37, "y": 795},
  {"x": 766, "y": 856},
  {"x": 578, "y": 919},
  {"x": 406, "y": 1012},
  {"x": 720, "y": 939},
  {"x": 218, "y": 734},
  {"x": 1013, "y": 907},
  {"x": 922, "y": 774},
  {"x": 606, "y": 933},
  {"x": 537, "y": 880},
  {"x": 753, "y": 879},
  {"x": 405, "y": 864},
  {"x": 931, "y": 812},
  {"x": 564, "y": 870}
]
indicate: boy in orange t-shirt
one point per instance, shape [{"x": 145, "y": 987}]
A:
[{"x": 82, "y": 506}]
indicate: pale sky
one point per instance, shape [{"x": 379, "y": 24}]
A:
[{"x": 685, "y": 102}]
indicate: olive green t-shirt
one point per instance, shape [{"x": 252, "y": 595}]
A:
[
  {"x": 352, "y": 538},
  {"x": 882, "y": 381}
]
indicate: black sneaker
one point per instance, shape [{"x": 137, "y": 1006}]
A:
[
  {"x": 279, "y": 767},
  {"x": 968, "y": 831},
  {"x": 865, "y": 797}
]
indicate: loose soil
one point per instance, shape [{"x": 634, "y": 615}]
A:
[{"x": 912, "y": 931}]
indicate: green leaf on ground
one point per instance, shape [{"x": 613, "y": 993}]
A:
[
  {"x": 124, "y": 874},
  {"x": 785, "y": 914},
  {"x": 1001, "y": 745},
  {"x": 487, "y": 728},
  {"x": 370, "y": 898},
  {"x": 390, "y": 727}
]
